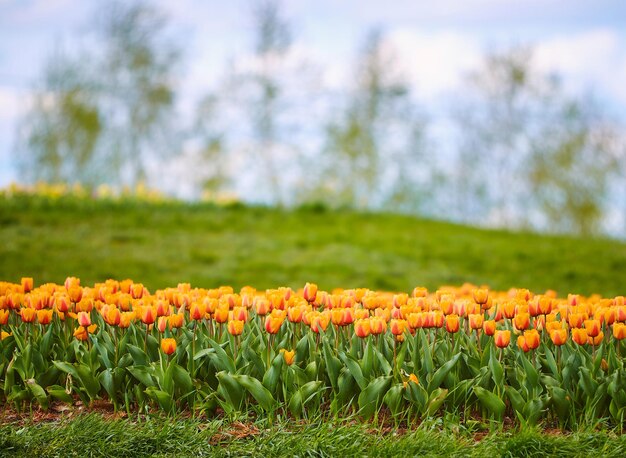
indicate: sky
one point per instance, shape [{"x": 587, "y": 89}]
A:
[{"x": 436, "y": 43}]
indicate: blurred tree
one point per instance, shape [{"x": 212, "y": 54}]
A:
[
  {"x": 530, "y": 155},
  {"x": 571, "y": 167},
  {"x": 60, "y": 132},
  {"x": 104, "y": 117},
  {"x": 375, "y": 146},
  {"x": 137, "y": 73}
]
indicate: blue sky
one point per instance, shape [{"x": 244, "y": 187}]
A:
[{"x": 435, "y": 42}]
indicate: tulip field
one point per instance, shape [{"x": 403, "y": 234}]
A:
[
  {"x": 295, "y": 353},
  {"x": 117, "y": 338}
]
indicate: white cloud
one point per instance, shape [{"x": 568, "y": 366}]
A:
[
  {"x": 592, "y": 60},
  {"x": 435, "y": 62}
]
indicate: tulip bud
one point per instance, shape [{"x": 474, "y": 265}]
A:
[
  {"x": 168, "y": 346},
  {"x": 522, "y": 321},
  {"x": 579, "y": 335},
  {"x": 235, "y": 327},
  {"x": 84, "y": 319},
  {"x": 289, "y": 356},
  {"x": 593, "y": 327},
  {"x": 27, "y": 284},
  {"x": 310, "y": 292},
  {"x": 481, "y": 295},
  {"x": 489, "y": 327},
  {"x": 476, "y": 321},
  {"x": 362, "y": 328},
  {"x": 558, "y": 336},
  {"x": 502, "y": 338},
  {"x": 452, "y": 323},
  {"x": 44, "y": 316}
]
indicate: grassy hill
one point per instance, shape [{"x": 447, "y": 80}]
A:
[{"x": 163, "y": 244}]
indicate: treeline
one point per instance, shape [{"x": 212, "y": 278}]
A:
[{"x": 515, "y": 149}]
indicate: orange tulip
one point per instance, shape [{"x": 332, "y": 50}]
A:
[
  {"x": 235, "y": 327},
  {"x": 148, "y": 315},
  {"x": 62, "y": 303},
  {"x": 28, "y": 314},
  {"x": 162, "y": 324},
  {"x": 262, "y": 306},
  {"x": 558, "y": 336},
  {"x": 522, "y": 321},
  {"x": 597, "y": 340},
  {"x": 502, "y": 338},
  {"x": 4, "y": 317},
  {"x": 112, "y": 316},
  {"x": 476, "y": 321},
  {"x": 4, "y": 335},
  {"x": 294, "y": 314},
  {"x": 82, "y": 333},
  {"x": 273, "y": 324},
  {"x": 221, "y": 314},
  {"x": 481, "y": 295},
  {"x": 362, "y": 328},
  {"x": 533, "y": 339},
  {"x": 508, "y": 309},
  {"x": 522, "y": 345},
  {"x": 240, "y": 313},
  {"x": 336, "y": 316},
  {"x": 197, "y": 311},
  {"x": 545, "y": 304},
  {"x": 27, "y": 284},
  {"x": 176, "y": 320},
  {"x": 412, "y": 379},
  {"x": 126, "y": 318},
  {"x": 75, "y": 293},
  {"x": 575, "y": 320},
  {"x": 310, "y": 292},
  {"x": 452, "y": 323},
  {"x": 168, "y": 346},
  {"x": 397, "y": 327},
  {"x": 489, "y": 327},
  {"x": 84, "y": 319},
  {"x": 619, "y": 331},
  {"x": 377, "y": 325},
  {"x": 320, "y": 321},
  {"x": 289, "y": 356},
  {"x": 592, "y": 327},
  {"x": 44, "y": 316},
  {"x": 553, "y": 326},
  {"x": 579, "y": 335}
]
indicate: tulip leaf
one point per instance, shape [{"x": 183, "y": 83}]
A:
[
  {"x": 354, "y": 368},
  {"x": 371, "y": 397},
  {"x": 39, "y": 393},
  {"x": 272, "y": 375},
  {"x": 435, "y": 400},
  {"x": 393, "y": 399},
  {"x": 222, "y": 360},
  {"x": 230, "y": 390},
  {"x": 165, "y": 400},
  {"x": 490, "y": 401},
  {"x": 143, "y": 374},
  {"x": 440, "y": 375},
  {"x": 258, "y": 391},
  {"x": 58, "y": 392}
]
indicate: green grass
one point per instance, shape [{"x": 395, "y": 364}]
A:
[
  {"x": 91, "y": 435},
  {"x": 163, "y": 244}
]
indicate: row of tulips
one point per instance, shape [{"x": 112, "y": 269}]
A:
[{"x": 467, "y": 350}]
